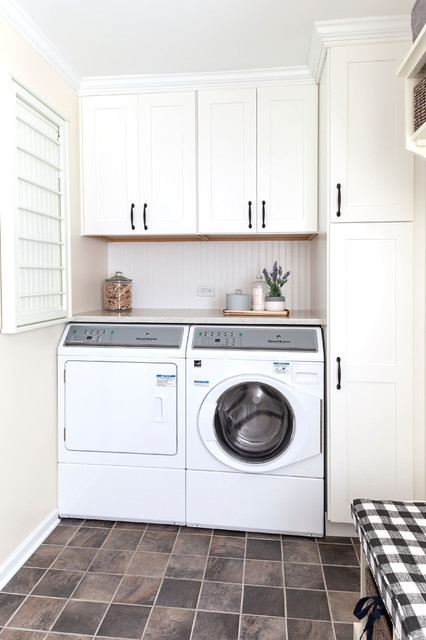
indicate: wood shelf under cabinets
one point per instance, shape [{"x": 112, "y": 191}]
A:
[{"x": 290, "y": 237}]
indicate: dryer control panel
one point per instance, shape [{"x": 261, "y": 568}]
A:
[
  {"x": 262, "y": 338},
  {"x": 124, "y": 335}
]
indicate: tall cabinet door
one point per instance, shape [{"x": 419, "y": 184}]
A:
[
  {"x": 110, "y": 164},
  {"x": 367, "y": 141},
  {"x": 227, "y": 160},
  {"x": 167, "y": 163},
  {"x": 370, "y": 330},
  {"x": 287, "y": 132}
]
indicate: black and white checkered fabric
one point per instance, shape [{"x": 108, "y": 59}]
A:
[{"x": 393, "y": 537}]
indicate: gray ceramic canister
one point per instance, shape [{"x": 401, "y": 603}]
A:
[{"x": 238, "y": 301}]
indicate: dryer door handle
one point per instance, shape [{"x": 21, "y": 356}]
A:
[{"x": 160, "y": 409}]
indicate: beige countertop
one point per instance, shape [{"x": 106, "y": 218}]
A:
[{"x": 196, "y": 316}]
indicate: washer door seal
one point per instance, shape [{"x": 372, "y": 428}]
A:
[{"x": 253, "y": 422}]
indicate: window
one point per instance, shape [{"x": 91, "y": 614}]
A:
[{"x": 34, "y": 251}]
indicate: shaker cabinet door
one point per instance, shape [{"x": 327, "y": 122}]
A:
[
  {"x": 287, "y": 126},
  {"x": 371, "y": 173},
  {"x": 110, "y": 164},
  {"x": 227, "y": 161},
  {"x": 370, "y": 365},
  {"x": 167, "y": 163}
]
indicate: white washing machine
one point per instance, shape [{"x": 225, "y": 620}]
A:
[
  {"x": 121, "y": 417},
  {"x": 255, "y": 444}
]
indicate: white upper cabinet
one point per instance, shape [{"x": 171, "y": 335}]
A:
[
  {"x": 227, "y": 161},
  {"x": 258, "y": 160},
  {"x": 371, "y": 173},
  {"x": 110, "y": 163},
  {"x": 139, "y": 164},
  {"x": 287, "y": 118},
  {"x": 167, "y": 163}
]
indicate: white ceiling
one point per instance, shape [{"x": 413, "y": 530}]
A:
[{"x": 136, "y": 37}]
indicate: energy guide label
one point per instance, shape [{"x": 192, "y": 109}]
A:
[
  {"x": 166, "y": 380},
  {"x": 282, "y": 367},
  {"x": 201, "y": 383}
]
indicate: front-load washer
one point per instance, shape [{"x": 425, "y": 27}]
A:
[
  {"x": 121, "y": 417},
  {"x": 255, "y": 445}
]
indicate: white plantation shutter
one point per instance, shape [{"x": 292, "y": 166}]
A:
[{"x": 39, "y": 292}]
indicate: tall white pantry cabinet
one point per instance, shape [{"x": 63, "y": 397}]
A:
[{"x": 367, "y": 193}]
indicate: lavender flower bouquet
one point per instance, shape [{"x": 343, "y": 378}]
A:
[{"x": 275, "y": 279}]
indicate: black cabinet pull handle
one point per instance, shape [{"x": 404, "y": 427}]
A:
[
  {"x": 339, "y": 374},
  {"x": 339, "y": 199},
  {"x": 144, "y": 216},
  {"x": 263, "y": 214},
  {"x": 131, "y": 216},
  {"x": 249, "y": 215}
]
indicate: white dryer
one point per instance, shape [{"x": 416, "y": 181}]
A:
[
  {"x": 255, "y": 442},
  {"x": 121, "y": 417}
]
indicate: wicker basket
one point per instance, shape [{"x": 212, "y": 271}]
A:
[
  {"x": 382, "y": 629},
  {"x": 420, "y": 104},
  {"x": 418, "y": 17}
]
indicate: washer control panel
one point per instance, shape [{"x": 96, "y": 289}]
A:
[
  {"x": 207, "y": 338},
  {"x": 261, "y": 338}
]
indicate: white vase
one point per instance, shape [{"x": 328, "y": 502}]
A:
[{"x": 274, "y": 304}]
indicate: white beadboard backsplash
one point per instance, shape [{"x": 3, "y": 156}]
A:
[{"x": 166, "y": 274}]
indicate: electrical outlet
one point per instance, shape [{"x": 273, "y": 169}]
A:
[{"x": 205, "y": 291}]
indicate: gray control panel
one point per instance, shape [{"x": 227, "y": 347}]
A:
[
  {"x": 262, "y": 338},
  {"x": 124, "y": 335},
  {"x": 210, "y": 337}
]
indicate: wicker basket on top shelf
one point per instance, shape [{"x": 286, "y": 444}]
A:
[
  {"x": 418, "y": 17},
  {"x": 420, "y": 104}
]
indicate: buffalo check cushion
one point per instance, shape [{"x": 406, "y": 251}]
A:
[{"x": 393, "y": 537}]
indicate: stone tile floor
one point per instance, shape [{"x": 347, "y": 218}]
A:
[{"x": 146, "y": 581}]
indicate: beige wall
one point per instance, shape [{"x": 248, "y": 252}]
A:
[
  {"x": 419, "y": 456},
  {"x": 28, "y": 485}
]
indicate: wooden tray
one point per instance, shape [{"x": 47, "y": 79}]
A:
[{"x": 256, "y": 314}]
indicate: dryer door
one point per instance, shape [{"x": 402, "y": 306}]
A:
[
  {"x": 121, "y": 407},
  {"x": 260, "y": 424}
]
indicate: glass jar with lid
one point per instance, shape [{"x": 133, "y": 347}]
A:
[
  {"x": 118, "y": 293},
  {"x": 258, "y": 293}
]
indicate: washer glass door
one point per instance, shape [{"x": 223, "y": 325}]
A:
[{"x": 253, "y": 422}]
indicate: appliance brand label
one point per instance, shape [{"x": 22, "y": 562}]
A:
[
  {"x": 282, "y": 367},
  {"x": 166, "y": 380},
  {"x": 201, "y": 383}
]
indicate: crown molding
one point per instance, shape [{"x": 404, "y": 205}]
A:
[
  {"x": 100, "y": 85},
  {"x": 21, "y": 22},
  {"x": 325, "y": 34},
  {"x": 331, "y": 33}
]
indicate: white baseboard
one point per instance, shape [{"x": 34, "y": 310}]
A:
[
  {"x": 27, "y": 548},
  {"x": 340, "y": 529}
]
